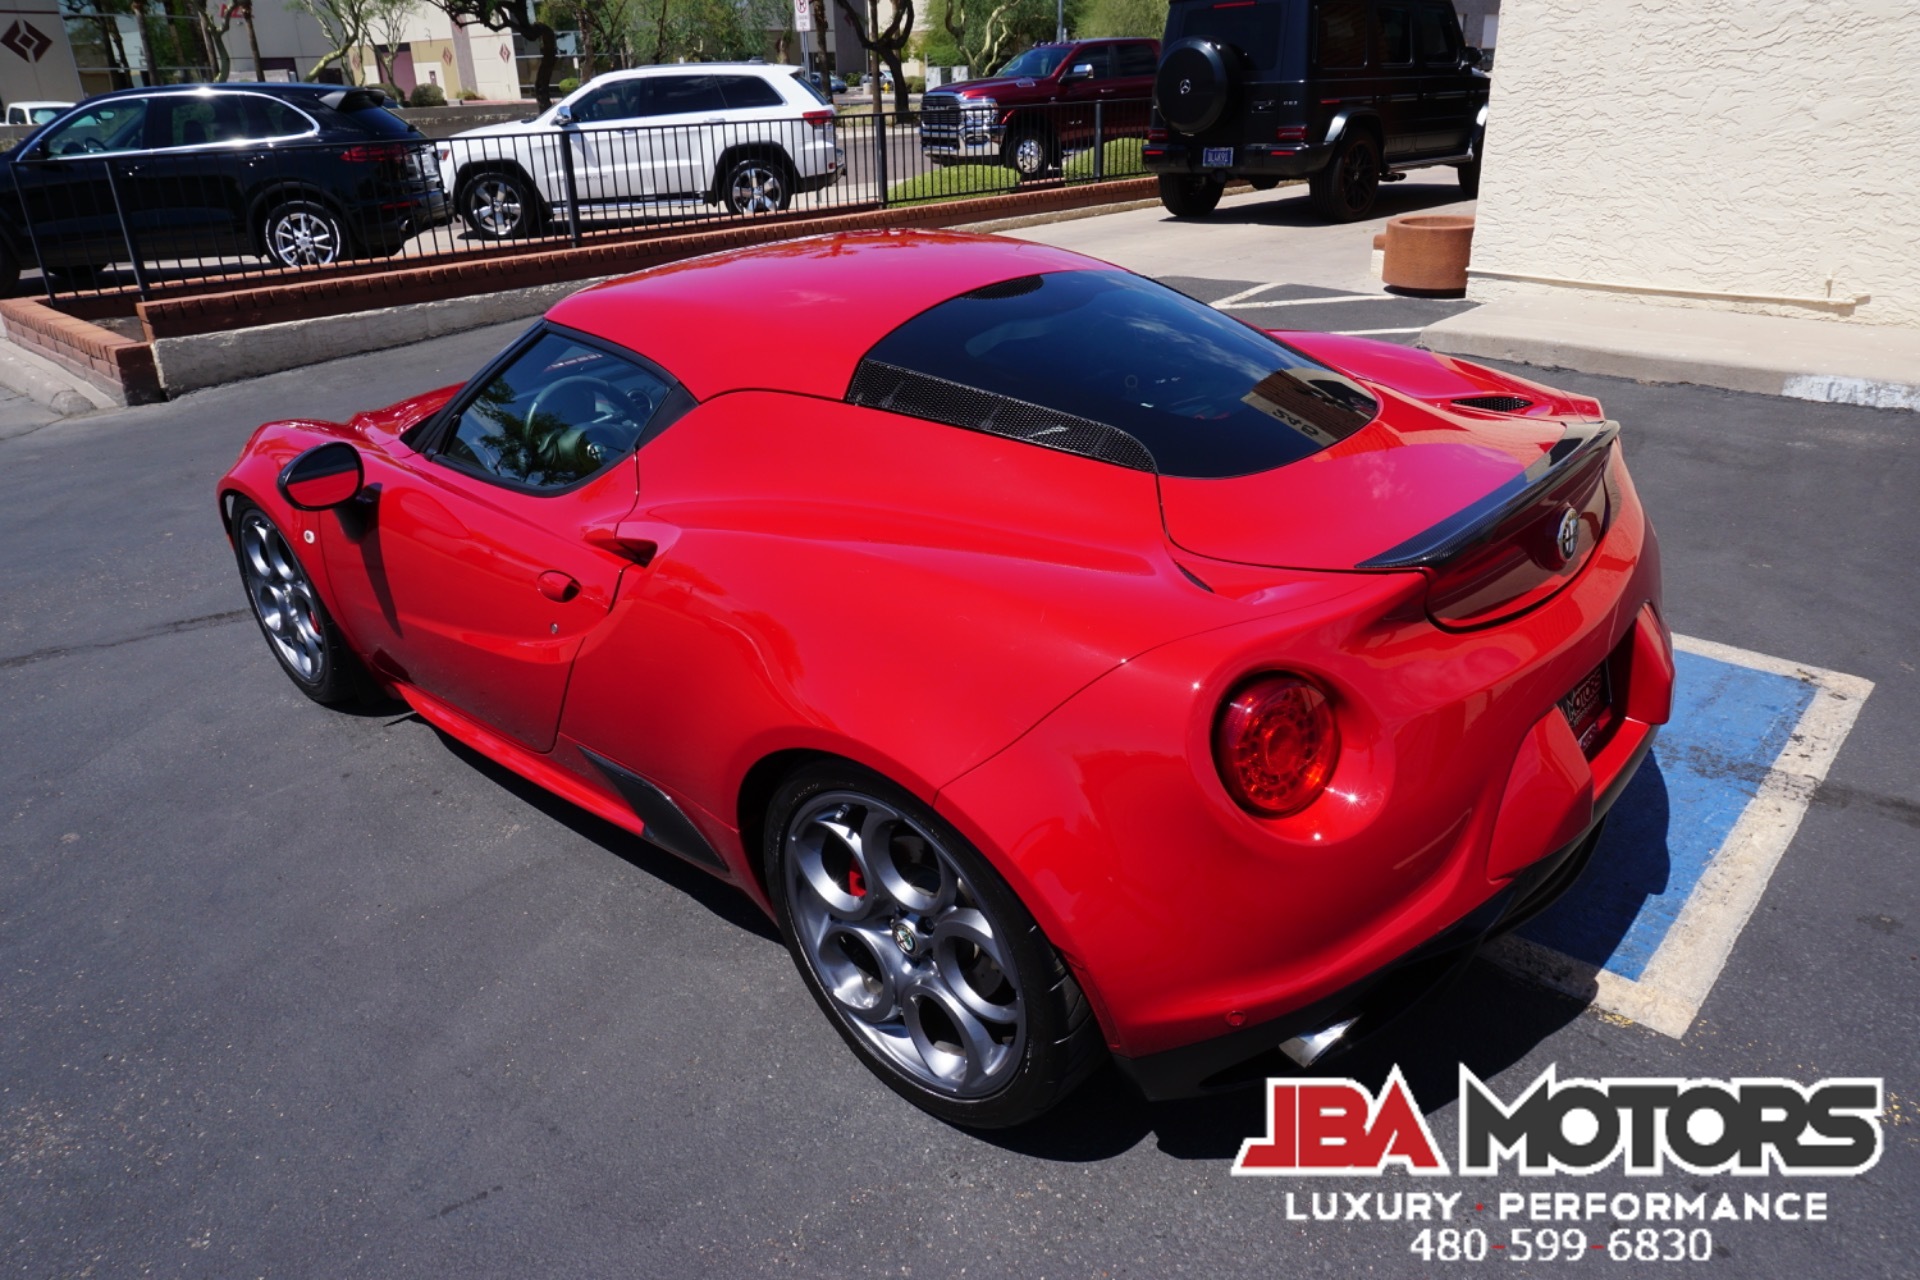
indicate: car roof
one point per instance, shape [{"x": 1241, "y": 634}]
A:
[
  {"x": 694, "y": 68},
  {"x": 293, "y": 90},
  {"x": 797, "y": 315}
]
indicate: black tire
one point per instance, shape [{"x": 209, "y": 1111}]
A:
[
  {"x": 1194, "y": 85},
  {"x": 1038, "y": 1052},
  {"x": 1186, "y": 197},
  {"x": 499, "y": 204},
  {"x": 757, "y": 184},
  {"x": 9, "y": 270},
  {"x": 300, "y": 633},
  {"x": 1031, "y": 153},
  {"x": 304, "y": 233},
  {"x": 1469, "y": 175},
  {"x": 1345, "y": 190}
]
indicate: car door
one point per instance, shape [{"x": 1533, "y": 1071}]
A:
[
  {"x": 609, "y": 161},
  {"x": 685, "y": 115},
  {"x": 1403, "y": 84},
  {"x": 66, "y": 191},
  {"x": 188, "y": 189},
  {"x": 475, "y": 569},
  {"x": 1346, "y": 72},
  {"x": 1085, "y": 77},
  {"x": 1447, "y": 100}
]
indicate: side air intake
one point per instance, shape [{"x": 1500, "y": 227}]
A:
[{"x": 1495, "y": 404}]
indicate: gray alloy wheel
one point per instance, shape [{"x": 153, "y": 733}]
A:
[
  {"x": 896, "y": 936},
  {"x": 301, "y": 233},
  {"x": 757, "y": 186},
  {"x": 302, "y": 637},
  {"x": 924, "y": 959},
  {"x": 497, "y": 206}
]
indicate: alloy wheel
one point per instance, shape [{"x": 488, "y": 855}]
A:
[
  {"x": 1030, "y": 156},
  {"x": 495, "y": 206},
  {"x": 755, "y": 188},
  {"x": 305, "y": 238},
  {"x": 282, "y": 598},
  {"x": 1359, "y": 175},
  {"x": 904, "y": 948}
]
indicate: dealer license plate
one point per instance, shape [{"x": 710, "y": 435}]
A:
[
  {"x": 1586, "y": 707},
  {"x": 1216, "y": 157}
]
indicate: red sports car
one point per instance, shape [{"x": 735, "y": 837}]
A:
[{"x": 1068, "y": 668}]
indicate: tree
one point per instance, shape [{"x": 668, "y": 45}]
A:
[
  {"x": 344, "y": 22},
  {"x": 606, "y": 30},
  {"x": 517, "y": 16},
  {"x": 386, "y": 28},
  {"x": 1125, "y": 18},
  {"x": 888, "y": 42},
  {"x": 986, "y": 33}
]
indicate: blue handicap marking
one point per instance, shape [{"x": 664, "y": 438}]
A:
[{"x": 1730, "y": 724}]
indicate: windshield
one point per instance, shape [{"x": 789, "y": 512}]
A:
[
  {"x": 1204, "y": 395},
  {"x": 1038, "y": 62}
]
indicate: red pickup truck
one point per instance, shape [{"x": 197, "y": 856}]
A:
[{"x": 1041, "y": 106}]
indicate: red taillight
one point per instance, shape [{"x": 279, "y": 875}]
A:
[
  {"x": 1275, "y": 744},
  {"x": 1290, "y": 133},
  {"x": 818, "y": 119},
  {"x": 373, "y": 154},
  {"x": 1155, "y": 134}
]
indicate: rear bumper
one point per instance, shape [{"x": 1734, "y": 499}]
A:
[
  {"x": 1249, "y": 161},
  {"x": 1376, "y": 1000}
]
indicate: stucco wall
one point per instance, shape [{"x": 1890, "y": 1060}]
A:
[{"x": 1715, "y": 145}]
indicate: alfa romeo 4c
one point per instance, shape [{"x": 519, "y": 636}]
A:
[{"x": 1071, "y": 670}]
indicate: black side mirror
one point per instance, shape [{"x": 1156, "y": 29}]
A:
[
  {"x": 323, "y": 477},
  {"x": 1471, "y": 57}
]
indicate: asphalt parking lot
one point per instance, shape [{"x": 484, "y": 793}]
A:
[{"x": 291, "y": 992}]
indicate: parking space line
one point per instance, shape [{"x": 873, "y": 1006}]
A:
[
  {"x": 1235, "y": 304},
  {"x": 1667, "y": 992},
  {"x": 1244, "y": 294}
]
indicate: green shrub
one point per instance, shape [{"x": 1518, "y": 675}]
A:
[
  {"x": 468, "y": 95},
  {"x": 568, "y": 85},
  {"x": 427, "y": 95},
  {"x": 392, "y": 92}
]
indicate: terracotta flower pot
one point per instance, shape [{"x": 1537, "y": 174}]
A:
[{"x": 1427, "y": 254}]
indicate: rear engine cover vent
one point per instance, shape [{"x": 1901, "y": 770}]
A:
[{"x": 1495, "y": 404}]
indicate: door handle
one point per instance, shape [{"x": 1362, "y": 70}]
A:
[{"x": 557, "y": 586}]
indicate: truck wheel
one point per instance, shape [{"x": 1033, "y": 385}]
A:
[
  {"x": 1030, "y": 154},
  {"x": 1188, "y": 197},
  {"x": 1469, "y": 175},
  {"x": 9, "y": 270},
  {"x": 1344, "y": 191}
]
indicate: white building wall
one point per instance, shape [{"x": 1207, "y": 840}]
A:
[{"x": 1720, "y": 146}]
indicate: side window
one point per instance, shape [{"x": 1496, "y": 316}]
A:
[
  {"x": 1396, "y": 36},
  {"x": 1099, "y": 57},
  {"x": 559, "y": 413},
  {"x": 1138, "y": 60},
  {"x": 745, "y": 92},
  {"x": 272, "y": 118},
  {"x": 119, "y": 125},
  {"x": 1340, "y": 35},
  {"x": 198, "y": 120},
  {"x": 683, "y": 95},
  {"x": 1434, "y": 35},
  {"x": 608, "y": 102}
]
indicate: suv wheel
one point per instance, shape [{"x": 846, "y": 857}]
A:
[
  {"x": 301, "y": 233},
  {"x": 1188, "y": 197},
  {"x": 498, "y": 206},
  {"x": 1469, "y": 175},
  {"x": 757, "y": 185},
  {"x": 1030, "y": 154},
  {"x": 1344, "y": 191},
  {"x": 9, "y": 270}
]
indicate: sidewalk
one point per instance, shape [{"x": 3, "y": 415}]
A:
[{"x": 1824, "y": 360}]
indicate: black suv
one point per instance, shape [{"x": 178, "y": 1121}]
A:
[
  {"x": 303, "y": 175},
  {"x": 1345, "y": 93}
]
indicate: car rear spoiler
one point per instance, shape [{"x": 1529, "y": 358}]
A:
[
  {"x": 357, "y": 99},
  {"x": 1582, "y": 442}
]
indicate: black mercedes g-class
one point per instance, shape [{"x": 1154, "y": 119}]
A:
[{"x": 1345, "y": 93}]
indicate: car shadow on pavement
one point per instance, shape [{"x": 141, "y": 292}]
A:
[
  {"x": 1290, "y": 207},
  {"x": 722, "y": 899}
]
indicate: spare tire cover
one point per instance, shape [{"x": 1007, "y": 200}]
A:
[{"x": 1194, "y": 83}]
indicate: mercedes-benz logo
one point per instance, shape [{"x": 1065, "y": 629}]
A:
[
  {"x": 1566, "y": 539},
  {"x": 1186, "y": 87}
]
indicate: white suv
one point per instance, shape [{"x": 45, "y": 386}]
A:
[{"x": 747, "y": 135}]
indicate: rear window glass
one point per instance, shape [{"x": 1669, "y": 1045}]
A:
[
  {"x": 1253, "y": 29},
  {"x": 800, "y": 78},
  {"x": 380, "y": 122},
  {"x": 1061, "y": 359}
]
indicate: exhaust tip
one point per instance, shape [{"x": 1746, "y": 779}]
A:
[{"x": 1307, "y": 1049}]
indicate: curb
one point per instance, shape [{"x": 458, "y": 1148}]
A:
[{"x": 44, "y": 382}]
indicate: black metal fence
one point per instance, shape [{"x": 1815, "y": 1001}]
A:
[{"x": 153, "y": 222}]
